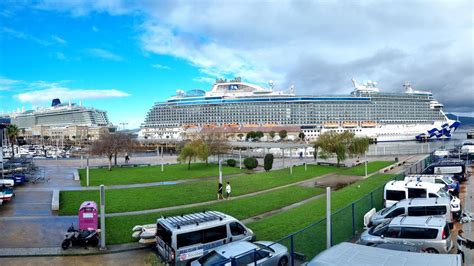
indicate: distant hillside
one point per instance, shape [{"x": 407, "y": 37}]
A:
[{"x": 465, "y": 120}]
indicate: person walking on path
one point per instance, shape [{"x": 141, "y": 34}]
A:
[
  {"x": 462, "y": 243},
  {"x": 228, "y": 190},
  {"x": 220, "y": 187}
]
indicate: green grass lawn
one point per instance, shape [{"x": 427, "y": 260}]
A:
[
  {"x": 360, "y": 169},
  {"x": 133, "y": 199},
  {"x": 147, "y": 174},
  {"x": 119, "y": 228},
  {"x": 280, "y": 225}
]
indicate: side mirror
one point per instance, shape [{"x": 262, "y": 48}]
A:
[
  {"x": 381, "y": 236},
  {"x": 245, "y": 232}
]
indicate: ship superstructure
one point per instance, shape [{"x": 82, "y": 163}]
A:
[{"x": 367, "y": 111}]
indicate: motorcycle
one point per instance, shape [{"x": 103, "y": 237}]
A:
[{"x": 82, "y": 238}]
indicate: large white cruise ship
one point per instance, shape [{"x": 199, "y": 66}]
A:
[{"x": 366, "y": 111}]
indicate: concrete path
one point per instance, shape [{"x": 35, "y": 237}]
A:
[{"x": 133, "y": 257}]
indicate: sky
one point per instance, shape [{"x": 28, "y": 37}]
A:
[{"x": 123, "y": 56}]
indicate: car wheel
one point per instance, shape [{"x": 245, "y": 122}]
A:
[
  {"x": 431, "y": 250},
  {"x": 283, "y": 261},
  {"x": 370, "y": 244}
]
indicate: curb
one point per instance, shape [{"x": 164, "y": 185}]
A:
[{"x": 57, "y": 252}]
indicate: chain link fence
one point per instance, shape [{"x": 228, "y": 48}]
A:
[{"x": 346, "y": 223}]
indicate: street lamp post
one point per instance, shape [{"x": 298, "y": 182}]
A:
[{"x": 87, "y": 170}]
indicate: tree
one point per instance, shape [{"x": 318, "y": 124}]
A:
[
  {"x": 316, "y": 150},
  {"x": 251, "y": 135},
  {"x": 271, "y": 134},
  {"x": 282, "y": 134},
  {"x": 301, "y": 136},
  {"x": 268, "y": 162},
  {"x": 216, "y": 143},
  {"x": 358, "y": 146},
  {"x": 334, "y": 143},
  {"x": 12, "y": 132},
  {"x": 110, "y": 145},
  {"x": 259, "y": 135},
  {"x": 250, "y": 163},
  {"x": 188, "y": 153},
  {"x": 231, "y": 162}
]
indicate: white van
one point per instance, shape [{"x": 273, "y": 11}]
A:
[
  {"x": 180, "y": 239},
  {"x": 443, "y": 181},
  {"x": 394, "y": 191}
]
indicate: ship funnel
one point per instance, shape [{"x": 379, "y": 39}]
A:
[{"x": 55, "y": 102}]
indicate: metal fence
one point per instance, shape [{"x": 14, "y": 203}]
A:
[{"x": 346, "y": 224}]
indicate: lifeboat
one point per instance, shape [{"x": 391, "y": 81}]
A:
[
  {"x": 368, "y": 124},
  {"x": 349, "y": 124},
  {"x": 330, "y": 124}
]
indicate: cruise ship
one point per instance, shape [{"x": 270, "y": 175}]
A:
[
  {"x": 60, "y": 115},
  {"x": 366, "y": 111}
]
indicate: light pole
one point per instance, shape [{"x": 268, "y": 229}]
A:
[
  {"x": 328, "y": 217},
  {"x": 87, "y": 170},
  {"x": 220, "y": 171},
  {"x": 365, "y": 159},
  {"x": 102, "y": 217},
  {"x": 162, "y": 163},
  {"x": 240, "y": 158}
]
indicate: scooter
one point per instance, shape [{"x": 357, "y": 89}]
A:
[{"x": 83, "y": 238}]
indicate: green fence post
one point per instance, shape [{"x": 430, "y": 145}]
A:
[
  {"x": 353, "y": 220},
  {"x": 371, "y": 200}
]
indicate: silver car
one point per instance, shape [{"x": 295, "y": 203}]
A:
[
  {"x": 246, "y": 253},
  {"x": 430, "y": 232}
]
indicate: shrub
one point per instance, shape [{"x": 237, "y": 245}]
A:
[
  {"x": 231, "y": 162},
  {"x": 250, "y": 163},
  {"x": 268, "y": 162}
]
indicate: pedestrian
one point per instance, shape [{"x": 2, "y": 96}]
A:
[
  {"x": 227, "y": 190},
  {"x": 461, "y": 243},
  {"x": 127, "y": 158},
  {"x": 219, "y": 191}
]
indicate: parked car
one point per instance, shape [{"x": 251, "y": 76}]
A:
[
  {"x": 246, "y": 253},
  {"x": 431, "y": 232},
  {"x": 416, "y": 207},
  {"x": 443, "y": 181},
  {"x": 457, "y": 168},
  {"x": 182, "y": 238},
  {"x": 395, "y": 191}
]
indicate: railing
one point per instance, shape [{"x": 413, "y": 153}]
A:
[{"x": 346, "y": 223}]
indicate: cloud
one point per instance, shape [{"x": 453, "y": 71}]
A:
[
  {"x": 39, "y": 96},
  {"x": 24, "y": 36},
  {"x": 158, "y": 66},
  {"x": 104, "y": 54},
  {"x": 204, "y": 80},
  {"x": 301, "y": 42},
  {"x": 58, "y": 39},
  {"x": 8, "y": 84},
  {"x": 95, "y": 29},
  {"x": 60, "y": 56}
]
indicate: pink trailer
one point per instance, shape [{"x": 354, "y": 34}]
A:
[{"x": 88, "y": 219}]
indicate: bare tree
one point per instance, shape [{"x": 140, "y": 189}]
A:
[
  {"x": 216, "y": 143},
  {"x": 110, "y": 145}
]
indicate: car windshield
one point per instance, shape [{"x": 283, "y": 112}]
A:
[
  {"x": 379, "y": 229},
  {"x": 261, "y": 246},
  {"x": 442, "y": 193},
  {"x": 211, "y": 258},
  {"x": 387, "y": 210},
  {"x": 447, "y": 180}
]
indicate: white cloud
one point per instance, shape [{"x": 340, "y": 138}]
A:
[
  {"x": 105, "y": 54},
  {"x": 158, "y": 66},
  {"x": 60, "y": 56},
  {"x": 95, "y": 29},
  {"x": 58, "y": 39},
  {"x": 8, "y": 84},
  {"x": 24, "y": 36},
  {"x": 40, "y": 96},
  {"x": 316, "y": 45}
]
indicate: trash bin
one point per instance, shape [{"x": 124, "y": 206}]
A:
[
  {"x": 88, "y": 219},
  {"x": 396, "y": 159}
]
